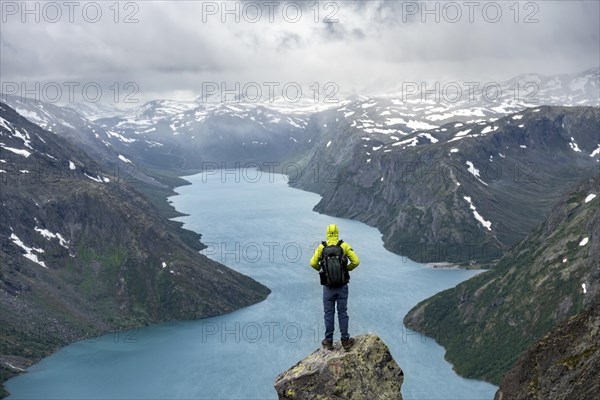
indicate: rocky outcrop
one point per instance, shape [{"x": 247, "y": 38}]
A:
[
  {"x": 563, "y": 365},
  {"x": 366, "y": 371}
]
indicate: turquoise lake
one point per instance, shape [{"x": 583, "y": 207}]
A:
[{"x": 256, "y": 224}]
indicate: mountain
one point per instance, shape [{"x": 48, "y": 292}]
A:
[
  {"x": 487, "y": 322},
  {"x": 575, "y": 89},
  {"x": 188, "y": 135},
  {"x": 463, "y": 193},
  {"x": 94, "y": 111},
  {"x": 83, "y": 252},
  {"x": 459, "y": 182},
  {"x": 563, "y": 365},
  {"x": 111, "y": 151},
  {"x": 185, "y": 135},
  {"x": 394, "y": 161},
  {"x": 388, "y": 117}
]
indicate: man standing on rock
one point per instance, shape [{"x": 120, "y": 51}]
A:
[{"x": 331, "y": 260}]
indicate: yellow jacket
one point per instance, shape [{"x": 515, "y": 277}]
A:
[{"x": 332, "y": 238}]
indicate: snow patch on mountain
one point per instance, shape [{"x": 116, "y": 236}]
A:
[
  {"x": 394, "y": 121},
  {"x": 124, "y": 159},
  {"x": 49, "y": 235},
  {"x": 474, "y": 171},
  {"x": 429, "y": 136},
  {"x": 574, "y": 145},
  {"x": 31, "y": 115},
  {"x": 408, "y": 142},
  {"x": 418, "y": 125},
  {"x": 7, "y": 125},
  {"x": 478, "y": 217},
  {"x": 462, "y": 133},
  {"x": 120, "y": 137},
  {"x": 20, "y": 152},
  {"x": 96, "y": 179},
  {"x": 490, "y": 128},
  {"x": 28, "y": 250}
]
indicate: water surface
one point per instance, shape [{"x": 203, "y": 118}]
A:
[{"x": 267, "y": 230}]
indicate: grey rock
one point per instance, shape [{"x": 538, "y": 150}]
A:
[
  {"x": 419, "y": 192},
  {"x": 565, "y": 364},
  {"x": 366, "y": 371}
]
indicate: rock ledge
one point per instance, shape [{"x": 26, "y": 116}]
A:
[{"x": 366, "y": 371}]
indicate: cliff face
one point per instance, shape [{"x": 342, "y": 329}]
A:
[
  {"x": 487, "y": 322},
  {"x": 465, "y": 193},
  {"x": 563, "y": 365},
  {"x": 367, "y": 371}
]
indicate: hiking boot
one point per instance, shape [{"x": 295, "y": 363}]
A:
[
  {"x": 347, "y": 343},
  {"x": 328, "y": 344}
]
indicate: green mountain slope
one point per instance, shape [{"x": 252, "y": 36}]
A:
[
  {"x": 486, "y": 322},
  {"x": 563, "y": 365}
]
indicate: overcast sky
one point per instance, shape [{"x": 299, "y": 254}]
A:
[{"x": 176, "y": 47}]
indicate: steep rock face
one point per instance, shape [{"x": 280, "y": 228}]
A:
[
  {"x": 367, "y": 371},
  {"x": 487, "y": 322},
  {"x": 563, "y": 365},
  {"x": 463, "y": 193}
]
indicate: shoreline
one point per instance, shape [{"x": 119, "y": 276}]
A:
[
  {"x": 423, "y": 264},
  {"x": 444, "y": 265},
  {"x": 12, "y": 366}
]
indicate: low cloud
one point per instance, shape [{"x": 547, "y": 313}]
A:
[{"x": 365, "y": 47}]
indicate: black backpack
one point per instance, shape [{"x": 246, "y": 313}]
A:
[{"x": 334, "y": 263}]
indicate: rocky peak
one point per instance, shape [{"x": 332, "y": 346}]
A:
[{"x": 366, "y": 371}]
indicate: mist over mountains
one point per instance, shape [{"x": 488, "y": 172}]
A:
[
  {"x": 187, "y": 133},
  {"x": 474, "y": 171}
]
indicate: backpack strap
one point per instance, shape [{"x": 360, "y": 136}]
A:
[
  {"x": 339, "y": 243},
  {"x": 324, "y": 243}
]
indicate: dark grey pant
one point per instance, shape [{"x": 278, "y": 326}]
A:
[{"x": 331, "y": 297}]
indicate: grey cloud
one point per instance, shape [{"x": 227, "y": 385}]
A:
[
  {"x": 358, "y": 34},
  {"x": 172, "y": 50},
  {"x": 334, "y": 31},
  {"x": 289, "y": 41}
]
